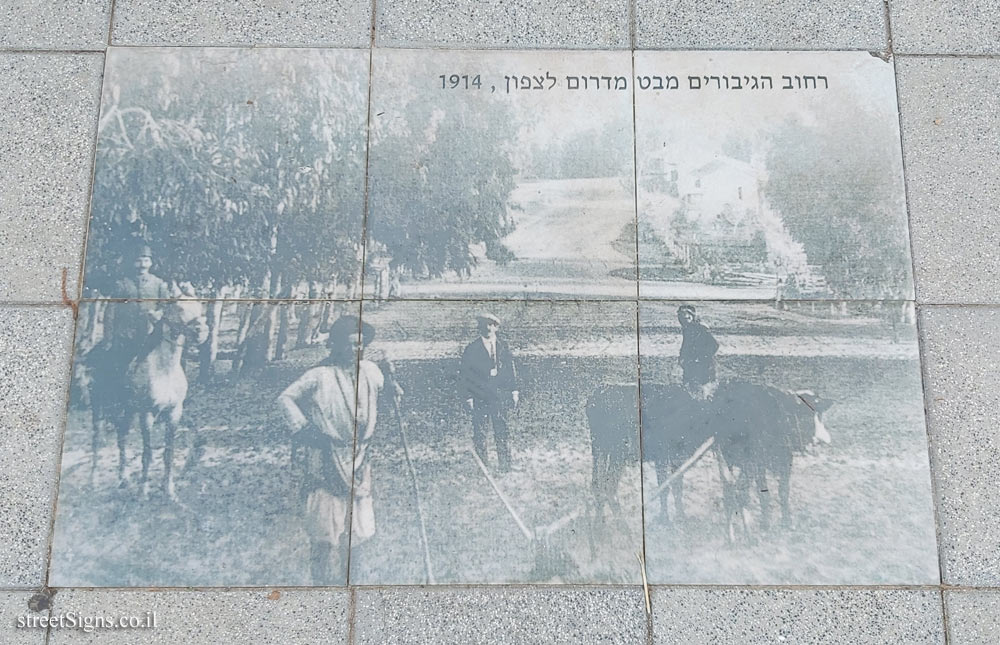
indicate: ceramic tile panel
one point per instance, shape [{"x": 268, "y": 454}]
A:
[
  {"x": 784, "y": 445},
  {"x": 218, "y": 167},
  {"x": 183, "y": 464},
  {"x": 485, "y": 474},
  {"x": 769, "y": 175},
  {"x": 501, "y": 175}
]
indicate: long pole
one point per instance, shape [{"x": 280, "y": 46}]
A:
[
  {"x": 680, "y": 471},
  {"x": 503, "y": 498},
  {"x": 416, "y": 493}
]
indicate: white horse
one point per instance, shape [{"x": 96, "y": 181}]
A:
[{"x": 158, "y": 386}]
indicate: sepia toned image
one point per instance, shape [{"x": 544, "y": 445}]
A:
[
  {"x": 784, "y": 445},
  {"x": 487, "y": 475},
  {"x": 501, "y": 175},
  {"x": 769, "y": 175},
  {"x": 216, "y": 167},
  {"x": 184, "y": 461}
]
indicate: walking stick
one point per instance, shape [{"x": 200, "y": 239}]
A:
[{"x": 416, "y": 490}]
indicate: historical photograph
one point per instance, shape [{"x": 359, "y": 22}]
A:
[
  {"x": 217, "y": 168},
  {"x": 784, "y": 444},
  {"x": 769, "y": 175},
  {"x": 488, "y": 477},
  {"x": 427, "y": 442},
  {"x": 501, "y": 175}
]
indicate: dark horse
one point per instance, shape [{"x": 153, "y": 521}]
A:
[{"x": 755, "y": 430}]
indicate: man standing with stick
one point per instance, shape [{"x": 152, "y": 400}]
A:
[
  {"x": 323, "y": 407},
  {"x": 489, "y": 382}
]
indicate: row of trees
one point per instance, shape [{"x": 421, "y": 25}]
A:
[{"x": 246, "y": 176}]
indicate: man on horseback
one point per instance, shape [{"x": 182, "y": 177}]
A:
[
  {"x": 127, "y": 326},
  {"x": 697, "y": 355},
  {"x": 323, "y": 407}
]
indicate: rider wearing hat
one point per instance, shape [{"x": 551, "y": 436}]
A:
[
  {"x": 128, "y": 324},
  {"x": 489, "y": 382}
]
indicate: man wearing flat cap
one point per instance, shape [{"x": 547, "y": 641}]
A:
[
  {"x": 489, "y": 384},
  {"x": 322, "y": 408},
  {"x": 697, "y": 355}
]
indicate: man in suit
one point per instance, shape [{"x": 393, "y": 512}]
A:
[{"x": 489, "y": 384}]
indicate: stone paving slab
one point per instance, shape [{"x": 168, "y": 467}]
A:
[
  {"x": 511, "y": 615},
  {"x": 47, "y": 132},
  {"x": 945, "y": 26},
  {"x": 973, "y": 617},
  {"x": 782, "y": 24},
  {"x": 960, "y": 387},
  {"x": 14, "y": 612},
  {"x": 520, "y": 24},
  {"x": 293, "y": 617},
  {"x": 731, "y": 616},
  {"x": 951, "y": 134},
  {"x": 35, "y": 346},
  {"x": 62, "y": 24},
  {"x": 292, "y": 23}
]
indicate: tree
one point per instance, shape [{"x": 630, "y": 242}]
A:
[
  {"x": 837, "y": 188},
  {"x": 441, "y": 179}
]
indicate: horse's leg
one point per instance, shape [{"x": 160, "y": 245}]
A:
[
  {"x": 168, "y": 454},
  {"x": 765, "y": 497},
  {"x": 95, "y": 439},
  {"x": 784, "y": 476},
  {"x": 146, "y": 420},
  {"x": 122, "y": 422},
  {"x": 678, "y": 490}
]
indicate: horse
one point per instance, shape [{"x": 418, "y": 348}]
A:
[
  {"x": 754, "y": 430},
  {"x": 153, "y": 387},
  {"x": 674, "y": 427},
  {"x": 758, "y": 430}
]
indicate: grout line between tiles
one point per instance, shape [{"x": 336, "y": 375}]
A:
[
  {"x": 361, "y": 303},
  {"x": 475, "y": 48},
  {"x": 352, "y": 604},
  {"x": 548, "y": 586},
  {"x": 111, "y": 22},
  {"x": 944, "y": 619}
]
